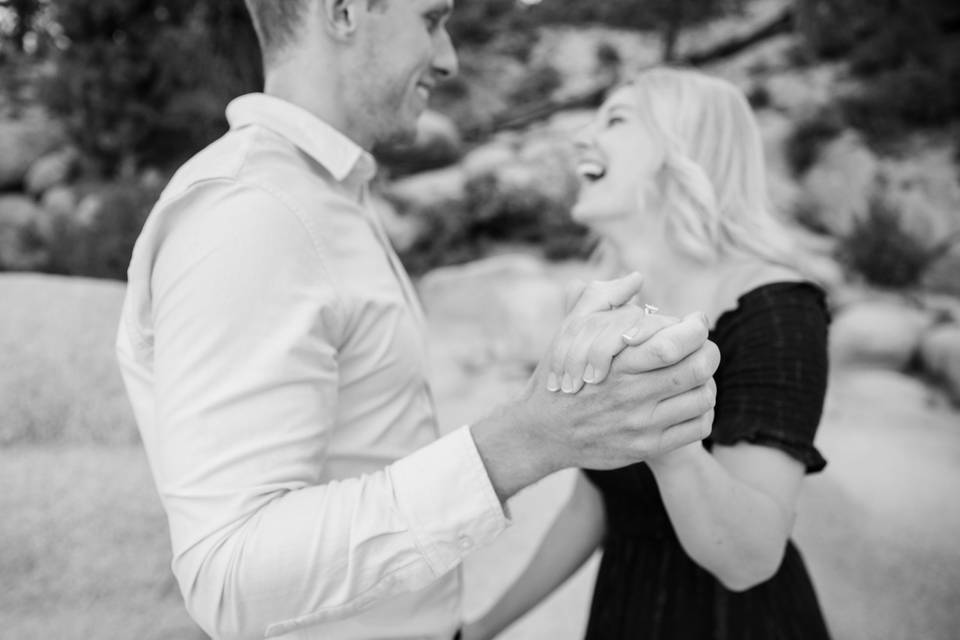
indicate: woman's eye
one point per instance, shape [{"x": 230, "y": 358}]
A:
[{"x": 615, "y": 120}]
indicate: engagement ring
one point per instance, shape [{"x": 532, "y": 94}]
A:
[{"x": 649, "y": 309}]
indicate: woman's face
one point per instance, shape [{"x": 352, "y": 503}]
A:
[{"x": 618, "y": 161}]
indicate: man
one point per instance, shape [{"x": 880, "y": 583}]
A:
[{"x": 271, "y": 344}]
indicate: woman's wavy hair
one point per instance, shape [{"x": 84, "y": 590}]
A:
[{"x": 713, "y": 180}]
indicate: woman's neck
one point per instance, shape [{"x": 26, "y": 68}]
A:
[{"x": 679, "y": 284}]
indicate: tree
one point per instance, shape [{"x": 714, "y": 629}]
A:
[{"x": 146, "y": 81}]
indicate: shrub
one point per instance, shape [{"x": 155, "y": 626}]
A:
[
  {"x": 146, "y": 81},
  {"x": 808, "y": 138},
  {"x": 881, "y": 249},
  {"x": 100, "y": 244}
]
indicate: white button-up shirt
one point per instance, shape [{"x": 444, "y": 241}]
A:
[{"x": 272, "y": 348}]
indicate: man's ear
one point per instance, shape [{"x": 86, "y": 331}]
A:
[{"x": 341, "y": 17}]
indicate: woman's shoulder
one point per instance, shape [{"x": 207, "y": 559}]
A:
[{"x": 762, "y": 290}]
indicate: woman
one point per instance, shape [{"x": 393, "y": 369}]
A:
[{"x": 696, "y": 543}]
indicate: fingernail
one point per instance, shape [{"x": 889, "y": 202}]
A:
[
  {"x": 705, "y": 320},
  {"x": 590, "y": 374},
  {"x": 552, "y": 383},
  {"x": 631, "y": 334},
  {"x": 567, "y": 385}
]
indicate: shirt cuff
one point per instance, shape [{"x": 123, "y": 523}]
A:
[{"x": 444, "y": 493}]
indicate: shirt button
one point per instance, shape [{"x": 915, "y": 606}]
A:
[{"x": 465, "y": 543}]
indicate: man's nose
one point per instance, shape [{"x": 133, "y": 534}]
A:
[{"x": 445, "y": 61}]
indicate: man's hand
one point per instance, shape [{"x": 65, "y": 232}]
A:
[{"x": 658, "y": 395}]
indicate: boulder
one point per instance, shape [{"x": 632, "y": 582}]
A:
[
  {"x": 837, "y": 189},
  {"x": 923, "y": 185},
  {"x": 437, "y": 144},
  {"x": 485, "y": 160},
  {"x": 51, "y": 170},
  {"x": 940, "y": 355},
  {"x": 403, "y": 230},
  {"x": 801, "y": 93},
  {"x": 429, "y": 188},
  {"x": 60, "y": 201},
  {"x": 23, "y": 142},
  {"x": 880, "y": 333},
  {"x": 25, "y": 231},
  {"x": 775, "y": 129},
  {"x": 503, "y": 309}
]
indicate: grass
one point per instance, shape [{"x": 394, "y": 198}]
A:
[
  {"x": 85, "y": 553},
  {"x": 59, "y": 381}
]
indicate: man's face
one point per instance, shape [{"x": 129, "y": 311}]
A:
[{"x": 404, "y": 51}]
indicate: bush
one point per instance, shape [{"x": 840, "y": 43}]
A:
[
  {"x": 99, "y": 243},
  {"x": 809, "y": 137},
  {"x": 903, "y": 99},
  {"x": 145, "y": 81},
  {"x": 881, "y": 249}
]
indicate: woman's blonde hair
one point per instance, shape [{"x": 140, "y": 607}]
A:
[{"x": 713, "y": 181}]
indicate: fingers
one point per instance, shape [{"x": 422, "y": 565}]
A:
[
  {"x": 609, "y": 294},
  {"x": 585, "y": 350},
  {"x": 689, "y": 405},
  {"x": 660, "y": 384},
  {"x": 572, "y": 294},
  {"x": 607, "y": 344},
  {"x": 682, "y": 434},
  {"x": 666, "y": 347}
]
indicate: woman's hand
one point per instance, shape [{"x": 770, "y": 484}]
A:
[{"x": 587, "y": 344}]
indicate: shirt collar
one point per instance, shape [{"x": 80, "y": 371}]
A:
[{"x": 338, "y": 154}]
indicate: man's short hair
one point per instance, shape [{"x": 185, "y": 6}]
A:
[{"x": 276, "y": 23}]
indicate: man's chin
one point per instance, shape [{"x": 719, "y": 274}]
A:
[{"x": 398, "y": 140}]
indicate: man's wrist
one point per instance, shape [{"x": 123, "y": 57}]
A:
[{"x": 511, "y": 454}]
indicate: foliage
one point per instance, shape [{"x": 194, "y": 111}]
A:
[
  {"x": 808, "y": 137},
  {"x": 881, "y": 249},
  {"x": 147, "y": 82},
  {"x": 902, "y": 99},
  {"x": 99, "y": 243},
  {"x": 490, "y": 214},
  {"x": 905, "y": 52}
]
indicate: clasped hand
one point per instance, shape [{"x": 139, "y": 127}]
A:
[{"x": 626, "y": 385}]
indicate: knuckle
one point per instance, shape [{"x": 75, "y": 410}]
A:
[
  {"x": 706, "y": 425},
  {"x": 666, "y": 350},
  {"x": 708, "y": 398}
]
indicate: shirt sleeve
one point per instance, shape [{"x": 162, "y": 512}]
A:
[
  {"x": 246, "y": 330},
  {"x": 772, "y": 378}
]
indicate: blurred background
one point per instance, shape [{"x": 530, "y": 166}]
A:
[{"x": 859, "y": 103}]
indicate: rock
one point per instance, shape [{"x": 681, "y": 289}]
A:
[
  {"x": 880, "y": 333},
  {"x": 429, "y": 188},
  {"x": 403, "y": 230},
  {"x": 51, "y": 170},
  {"x": 837, "y": 189},
  {"x": 60, "y": 202},
  {"x": 500, "y": 309},
  {"x": 940, "y": 355},
  {"x": 801, "y": 93},
  {"x": 923, "y": 186},
  {"x": 437, "y": 144},
  {"x": 22, "y": 143},
  {"x": 775, "y": 129},
  {"x": 485, "y": 160},
  {"x": 554, "y": 166},
  {"x": 25, "y": 231}
]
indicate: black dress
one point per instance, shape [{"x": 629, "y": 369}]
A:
[{"x": 770, "y": 389}]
